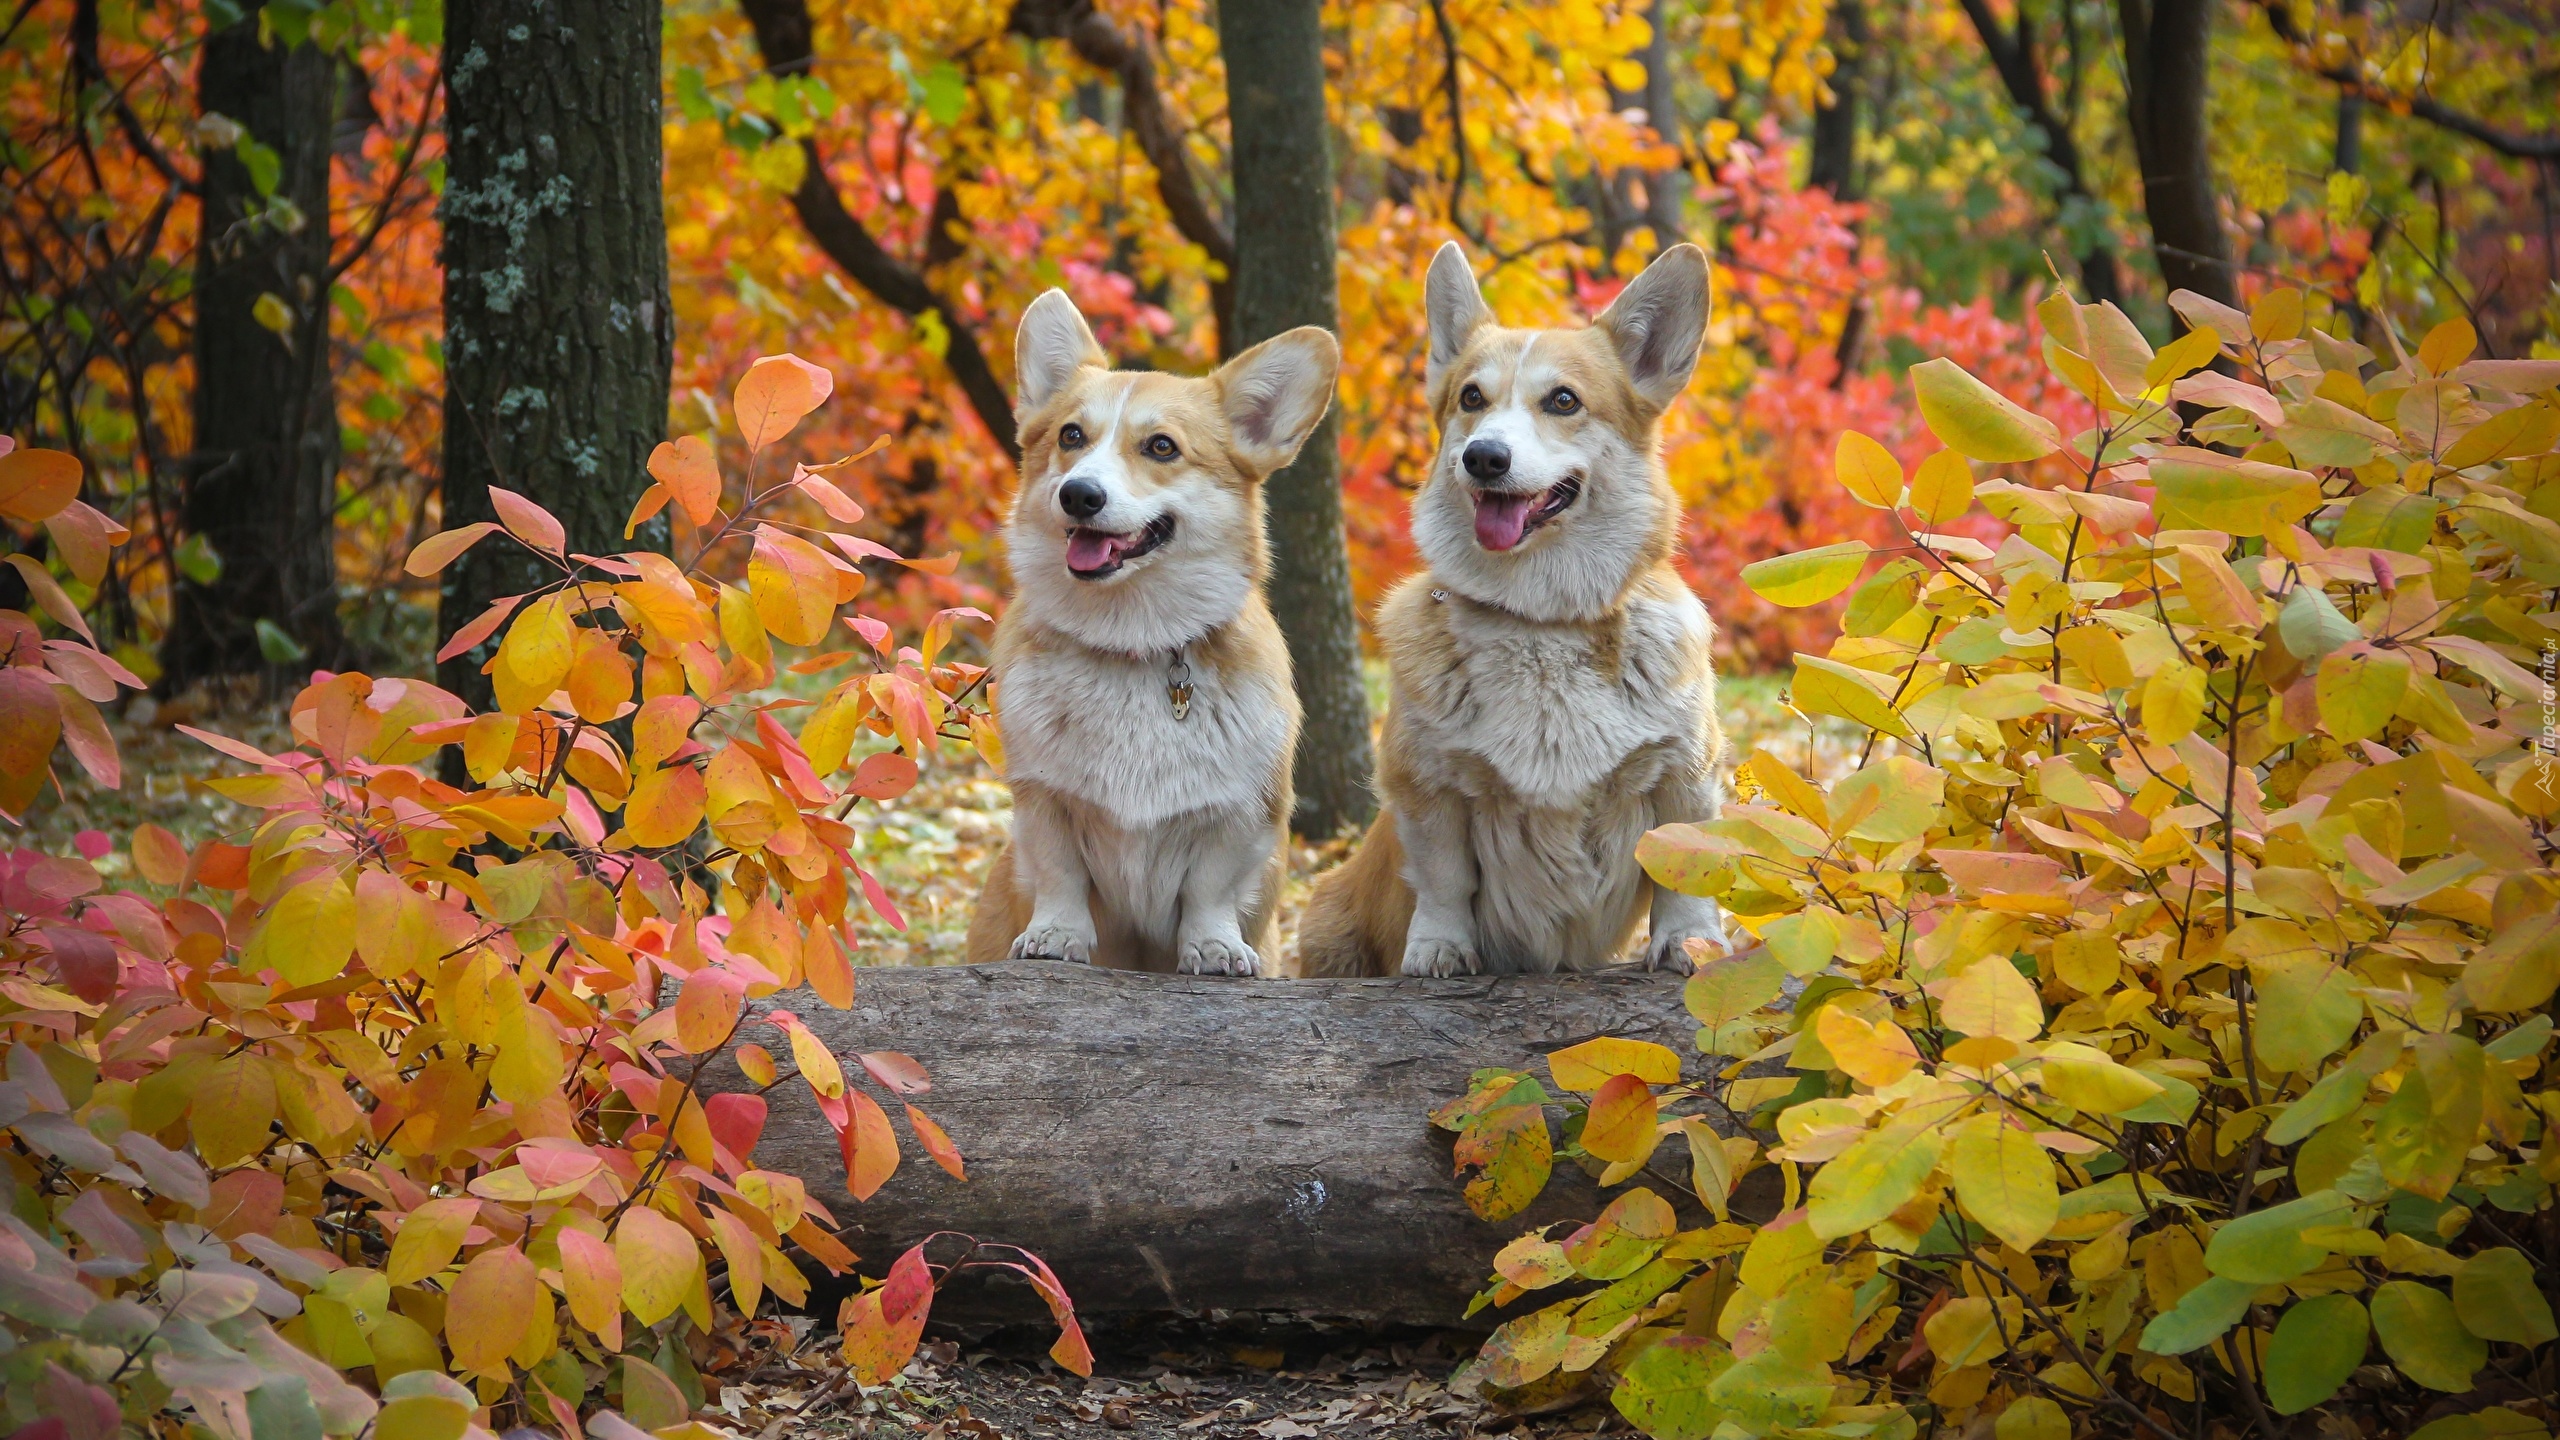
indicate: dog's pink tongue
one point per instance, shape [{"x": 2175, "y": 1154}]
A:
[
  {"x": 1500, "y": 519},
  {"x": 1091, "y": 549}
]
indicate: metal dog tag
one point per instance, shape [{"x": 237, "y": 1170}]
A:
[{"x": 1177, "y": 686}]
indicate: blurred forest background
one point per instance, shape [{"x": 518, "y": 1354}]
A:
[{"x": 261, "y": 265}]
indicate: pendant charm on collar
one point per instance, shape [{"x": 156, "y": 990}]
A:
[{"x": 1177, "y": 686}]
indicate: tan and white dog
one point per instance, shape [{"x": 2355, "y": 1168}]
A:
[
  {"x": 1149, "y": 719},
  {"x": 1553, "y": 696}
]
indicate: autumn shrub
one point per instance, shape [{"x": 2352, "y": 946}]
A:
[
  {"x": 2152, "y": 1036},
  {"x": 386, "y": 1112}
]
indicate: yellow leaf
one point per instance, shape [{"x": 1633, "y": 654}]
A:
[
  {"x": 429, "y": 1239},
  {"x": 2172, "y": 702},
  {"x": 2359, "y": 688},
  {"x": 2086, "y": 1078},
  {"x": 794, "y": 587},
  {"x": 1942, "y": 488},
  {"x": 490, "y": 1305},
  {"x": 2004, "y": 1177},
  {"x": 310, "y": 933},
  {"x": 665, "y": 806},
  {"x": 233, "y": 1106},
  {"x": 659, "y": 1262},
  {"x": 1878, "y": 1174},
  {"x": 1977, "y": 420},
  {"x": 1868, "y": 471},
  {"x": 1990, "y": 998},
  {"x": 817, "y": 1063},
  {"x": 35, "y": 485},
  {"x": 1621, "y": 1123},
  {"x": 1826, "y": 687},
  {"x": 1586, "y": 1067},
  {"x": 2447, "y": 345},
  {"x": 535, "y": 657},
  {"x": 1874, "y": 1055}
]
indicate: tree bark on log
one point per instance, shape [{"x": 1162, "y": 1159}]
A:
[{"x": 1178, "y": 1143}]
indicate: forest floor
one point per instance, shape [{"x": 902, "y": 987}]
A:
[{"x": 1163, "y": 1378}]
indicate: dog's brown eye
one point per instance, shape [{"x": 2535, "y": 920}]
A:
[
  {"x": 1471, "y": 398},
  {"x": 1161, "y": 447},
  {"x": 1563, "y": 402},
  {"x": 1071, "y": 437}
]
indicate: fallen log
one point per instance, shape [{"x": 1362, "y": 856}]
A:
[{"x": 1175, "y": 1143}]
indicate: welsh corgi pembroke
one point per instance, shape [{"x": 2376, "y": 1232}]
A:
[
  {"x": 1552, "y": 692},
  {"x": 1148, "y": 716}
]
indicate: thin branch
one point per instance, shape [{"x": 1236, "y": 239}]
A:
[
  {"x": 399, "y": 179},
  {"x": 2515, "y": 144},
  {"x": 86, "y": 65}
]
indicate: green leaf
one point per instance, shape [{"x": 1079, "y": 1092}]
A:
[
  {"x": 265, "y": 166},
  {"x": 1909, "y": 797},
  {"x": 2323, "y": 432},
  {"x": 946, "y": 93},
  {"x": 2425, "y": 1338},
  {"x": 2317, "y": 1345},
  {"x": 1803, "y": 942},
  {"x": 2311, "y": 625},
  {"x": 2213, "y": 1306},
  {"x": 277, "y": 645},
  {"x": 2306, "y": 1009},
  {"x": 1807, "y": 577},
  {"x": 2265, "y": 1247},
  {"x": 196, "y": 560},
  {"x": 2495, "y": 1294},
  {"x": 2387, "y": 517},
  {"x": 2337, "y": 1095},
  {"x": 1663, "y": 1392},
  {"x": 1975, "y": 419},
  {"x": 1513, "y": 1151}
]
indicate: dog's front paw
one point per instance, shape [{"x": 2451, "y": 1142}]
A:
[
  {"x": 1213, "y": 956},
  {"x": 1054, "y": 942},
  {"x": 1668, "y": 949},
  {"x": 1438, "y": 958}
]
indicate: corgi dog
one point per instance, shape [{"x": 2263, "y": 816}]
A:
[
  {"x": 1149, "y": 717},
  {"x": 1552, "y": 694}
]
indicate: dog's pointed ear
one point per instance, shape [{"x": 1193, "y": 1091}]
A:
[
  {"x": 1455, "y": 307},
  {"x": 1275, "y": 393},
  {"x": 1659, "y": 320},
  {"x": 1049, "y": 347}
]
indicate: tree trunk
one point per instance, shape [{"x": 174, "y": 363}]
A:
[
  {"x": 1179, "y": 1143},
  {"x": 263, "y": 477},
  {"x": 2013, "y": 55},
  {"x": 1834, "y": 162},
  {"x": 559, "y": 338},
  {"x": 1283, "y": 167},
  {"x": 2166, "y": 62}
]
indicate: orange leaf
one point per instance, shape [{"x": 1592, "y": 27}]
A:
[
  {"x": 49, "y": 594},
  {"x": 442, "y": 549},
  {"x": 870, "y": 1146},
  {"x": 160, "y": 856},
  {"x": 489, "y": 1307},
  {"x": 875, "y": 1349},
  {"x": 665, "y": 807},
  {"x": 30, "y": 720},
  {"x": 776, "y": 393},
  {"x": 746, "y": 1259},
  {"x": 593, "y": 1275},
  {"x": 707, "y": 1009},
  {"x": 651, "y": 501},
  {"x": 937, "y": 1143},
  {"x": 481, "y": 628},
  {"x": 691, "y": 473},
  {"x": 1621, "y": 1124},
  {"x": 829, "y": 972},
  {"x": 884, "y": 776},
  {"x": 794, "y": 587},
  {"x": 36, "y": 484}
]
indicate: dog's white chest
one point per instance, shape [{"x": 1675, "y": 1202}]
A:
[
  {"x": 1126, "y": 735},
  {"x": 1553, "y": 714}
]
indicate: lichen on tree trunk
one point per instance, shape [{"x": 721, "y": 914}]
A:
[
  {"x": 1283, "y": 169},
  {"x": 559, "y": 336},
  {"x": 262, "y": 477}
]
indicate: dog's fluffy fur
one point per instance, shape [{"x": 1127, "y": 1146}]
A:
[
  {"x": 1140, "y": 840},
  {"x": 1553, "y": 695}
]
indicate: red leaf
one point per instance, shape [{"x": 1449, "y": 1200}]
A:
[
  {"x": 480, "y": 629},
  {"x": 529, "y": 522},
  {"x": 898, "y": 1074},
  {"x": 909, "y": 1288},
  {"x": 736, "y": 1121},
  {"x": 880, "y": 902}
]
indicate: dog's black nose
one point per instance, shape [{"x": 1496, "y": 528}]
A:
[
  {"x": 1487, "y": 459},
  {"x": 1082, "y": 499}
]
